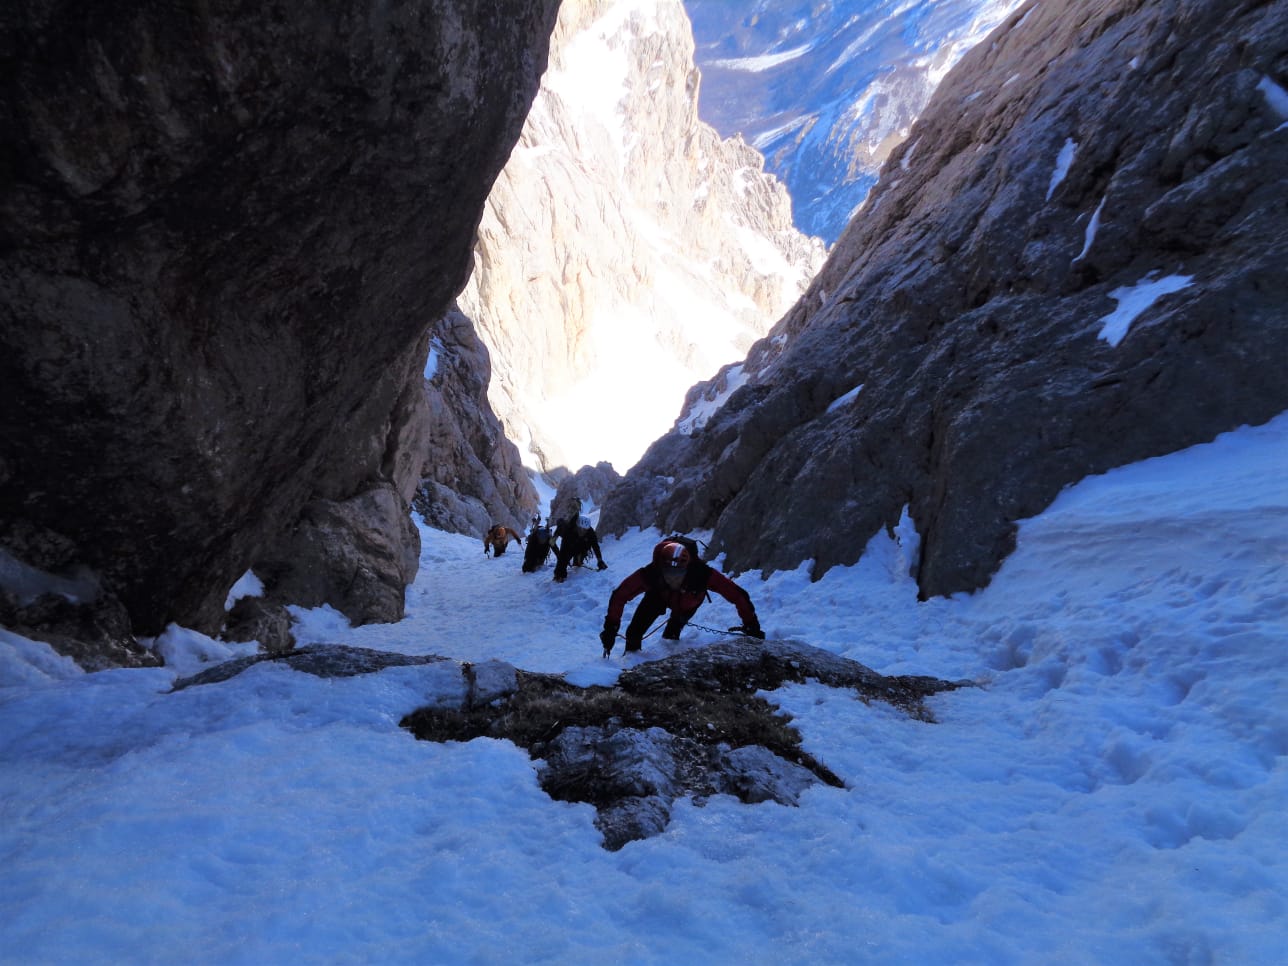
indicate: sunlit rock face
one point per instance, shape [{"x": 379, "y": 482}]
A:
[
  {"x": 626, "y": 251},
  {"x": 1074, "y": 262},
  {"x": 827, "y": 89},
  {"x": 224, "y": 234}
]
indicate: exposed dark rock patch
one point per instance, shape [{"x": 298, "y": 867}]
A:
[
  {"x": 357, "y": 555},
  {"x": 95, "y": 634},
  {"x": 320, "y": 660},
  {"x": 687, "y": 725},
  {"x": 949, "y": 356}
]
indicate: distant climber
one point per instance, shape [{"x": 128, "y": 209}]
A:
[
  {"x": 577, "y": 538},
  {"x": 536, "y": 551},
  {"x": 498, "y": 538},
  {"x": 676, "y": 580}
]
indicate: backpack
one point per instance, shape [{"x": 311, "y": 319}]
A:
[{"x": 537, "y": 550}]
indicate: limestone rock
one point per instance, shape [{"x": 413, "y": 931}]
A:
[
  {"x": 95, "y": 633},
  {"x": 258, "y": 619},
  {"x": 474, "y": 477},
  {"x": 621, "y": 223},
  {"x": 358, "y": 555},
  {"x": 223, "y": 232},
  {"x": 586, "y": 488},
  {"x": 1074, "y": 262}
]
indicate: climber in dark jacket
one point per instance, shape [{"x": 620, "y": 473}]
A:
[
  {"x": 537, "y": 548},
  {"x": 676, "y": 580},
  {"x": 576, "y": 539}
]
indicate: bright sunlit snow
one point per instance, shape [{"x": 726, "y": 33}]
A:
[
  {"x": 764, "y": 62},
  {"x": 841, "y": 400},
  {"x": 1093, "y": 226},
  {"x": 1063, "y": 161},
  {"x": 1114, "y": 791},
  {"x": 1275, "y": 96},
  {"x": 1135, "y": 301}
]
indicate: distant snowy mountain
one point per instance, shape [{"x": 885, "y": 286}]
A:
[
  {"x": 825, "y": 89},
  {"x": 627, "y": 251}
]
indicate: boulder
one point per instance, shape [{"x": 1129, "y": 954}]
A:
[
  {"x": 223, "y": 234},
  {"x": 358, "y": 555}
]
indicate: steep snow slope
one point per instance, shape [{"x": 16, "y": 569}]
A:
[{"x": 1113, "y": 793}]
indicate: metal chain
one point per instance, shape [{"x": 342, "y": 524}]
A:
[{"x": 709, "y": 630}]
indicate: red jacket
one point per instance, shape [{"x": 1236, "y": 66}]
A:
[{"x": 688, "y": 598}]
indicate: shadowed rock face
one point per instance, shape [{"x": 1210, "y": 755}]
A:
[
  {"x": 581, "y": 490},
  {"x": 476, "y": 477},
  {"x": 1080, "y": 155},
  {"x": 224, "y": 232}
]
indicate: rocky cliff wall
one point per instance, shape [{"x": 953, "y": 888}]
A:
[
  {"x": 1074, "y": 262},
  {"x": 224, "y": 232},
  {"x": 626, "y": 251},
  {"x": 476, "y": 477}
]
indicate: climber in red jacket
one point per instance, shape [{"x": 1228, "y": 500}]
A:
[{"x": 677, "y": 580}]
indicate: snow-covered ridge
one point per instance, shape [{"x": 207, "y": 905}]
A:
[{"x": 827, "y": 96}]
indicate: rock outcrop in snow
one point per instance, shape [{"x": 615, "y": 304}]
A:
[
  {"x": 689, "y": 725},
  {"x": 626, "y": 251},
  {"x": 1074, "y": 262}
]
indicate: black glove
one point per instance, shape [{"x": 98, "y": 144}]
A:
[
  {"x": 602, "y": 565},
  {"x": 608, "y": 636}
]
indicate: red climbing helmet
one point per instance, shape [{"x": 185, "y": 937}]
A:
[{"x": 670, "y": 555}]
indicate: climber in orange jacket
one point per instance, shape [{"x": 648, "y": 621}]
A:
[{"x": 498, "y": 538}]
